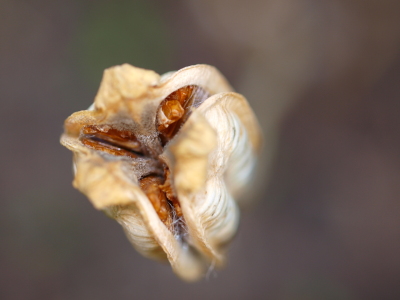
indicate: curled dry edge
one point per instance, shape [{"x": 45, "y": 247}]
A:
[{"x": 167, "y": 157}]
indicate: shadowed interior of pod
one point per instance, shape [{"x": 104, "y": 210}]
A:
[{"x": 157, "y": 184}]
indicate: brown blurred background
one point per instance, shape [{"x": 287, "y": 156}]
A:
[{"x": 323, "y": 78}]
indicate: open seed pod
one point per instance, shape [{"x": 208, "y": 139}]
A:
[{"x": 166, "y": 157}]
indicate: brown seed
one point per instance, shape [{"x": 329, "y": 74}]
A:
[
  {"x": 170, "y": 193},
  {"x": 151, "y": 187},
  {"x": 185, "y": 93},
  {"x": 173, "y": 110},
  {"x": 105, "y": 147},
  {"x": 176, "y": 108},
  {"x": 110, "y": 140}
]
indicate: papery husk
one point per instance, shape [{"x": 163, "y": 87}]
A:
[
  {"x": 210, "y": 211},
  {"x": 210, "y": 160}
]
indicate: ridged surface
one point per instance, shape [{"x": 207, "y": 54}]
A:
[{"x": 210, "y": 159}]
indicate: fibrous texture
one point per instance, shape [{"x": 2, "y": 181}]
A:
[{"x": 167, "y": 157}]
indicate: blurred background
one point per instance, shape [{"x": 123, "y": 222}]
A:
[{"x": 323, "y": 78}]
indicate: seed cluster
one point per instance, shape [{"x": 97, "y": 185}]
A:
[{"x": 172, "y": 113}]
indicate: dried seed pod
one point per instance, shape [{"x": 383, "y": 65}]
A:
[{"x": 166, "y": 157}]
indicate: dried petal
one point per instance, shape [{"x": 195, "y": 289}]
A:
[{"x": 166, "y": 157}]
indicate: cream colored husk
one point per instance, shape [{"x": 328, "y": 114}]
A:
[{"x": 210, "y": 158}]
